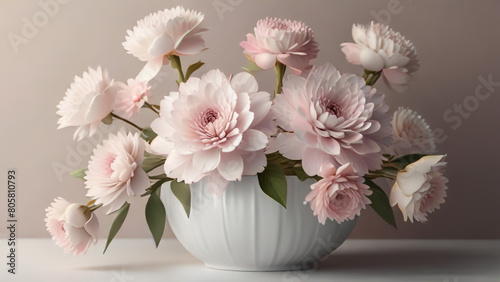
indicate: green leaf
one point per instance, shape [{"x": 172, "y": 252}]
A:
[
  {"x": 380, "y": 203},
  {"x": 273, "y": 182},
  {"x": 148, "y": 134},
  {"x": 108, "y": 119},
  {"x": 151, "y": 162},
  {"x": 156, "y": 216},
  {"x": 300, "y": 173},
  {"x": 80, "y": 173},
  {"x": 182, "y": 192},
  {"x": 251, "y": 67},
  {"x": 121, "y": 214},
  {"x": 192, "y": 68}
]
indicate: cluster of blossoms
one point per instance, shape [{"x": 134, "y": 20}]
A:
[{"x": 333, "y": 126}]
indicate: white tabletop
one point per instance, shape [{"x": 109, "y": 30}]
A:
[{"x": 137, "y": 260}]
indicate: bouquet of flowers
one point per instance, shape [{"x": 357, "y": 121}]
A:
[{"x": 318, "y": 123}]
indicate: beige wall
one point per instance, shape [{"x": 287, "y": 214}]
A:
[{"x": 457, "y": 41}]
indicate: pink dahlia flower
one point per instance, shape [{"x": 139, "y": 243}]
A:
[
  {"x": 420, "y": 188},
  {"x": 114, "y": 170},
  {"x": 412, "y": 135},
  {"x": 331, "y": 118},
  {"x": 379, "y": 48},
  {"x": 214, "y": 129},
  {"x": 340, "y": 195},
  {"x": 73, "y": 227},
  {"x": 131, "y": 97},
  {"x": 168, "y": 32},
  {"x": 291, "y": 43},
  {"x": 88, "y": 100}
]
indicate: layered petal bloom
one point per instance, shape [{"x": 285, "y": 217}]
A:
[
  {"x": 214, "y": 129},
  {"x": 88, "y": 100},
  {"x": 420, "y": 188},
  {"x": 131, "y": 97},
  {"x": 114, "y": 170},
  {"x": 73, "y": 227},
  {"x": 412, "y": 135},
  {"x": 289, "y": 42},
  {"x": 164, "y": 33},
  {"x": 340, "y": 195},
  {"x": 379, "y": 48},
  {"x": 332, "y": 118}
]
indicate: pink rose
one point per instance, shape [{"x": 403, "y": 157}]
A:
[
  {"x": 289, "y": 42},
  {"x": 340, "y": 195}
]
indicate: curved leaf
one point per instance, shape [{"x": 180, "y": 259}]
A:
[
  {"x": 182, "y": 192},
  {"x": 380, "y": 203},
  {"x": 273, "y": 182},
  {"x": 121, "y": 214},
  {"x": 156, "y": 216}
]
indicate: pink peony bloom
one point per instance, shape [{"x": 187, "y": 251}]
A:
[
  {"x": 340, "y": 195},
  {"x": 412, "y": 135},
  {"x": 379, "y": 48},
  {"x": 214, "y": 129},
  {"x": 73, "y": 227},
  {"x": 164, "y": 33},
  {"x": 331, "y": 118},
  {"x": 131, "y": 97},
  {"x": 87, "y": 102},
  {"x": 420, "y": 188},
  {"x": 114, "y": 171},
  {"x": 291, "y": 43}
]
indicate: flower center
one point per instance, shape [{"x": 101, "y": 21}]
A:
[
  {"x": 209, "y": 116},
  {"x": 334, "y": 109},
  {"x": 331, "y": 107}
]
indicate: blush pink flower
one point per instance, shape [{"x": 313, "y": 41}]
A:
[
  {"x": 73, "y": 227},
  {"x": 420, "y": 188},
  {"x": 214, "y": 129},
  {"x": 164, "y": 33},
  {"x": 379, "y": 48},
  {"x": 289, "y": 42},
  {"x": 331, "y": 118},
  {"x": 340, "y": 195},
  {"x": 114, "y": 170},
  {"x": 131, "y": 97},
  {"x": 412, "y": 135},
  {"x": 88, "y": 100}
]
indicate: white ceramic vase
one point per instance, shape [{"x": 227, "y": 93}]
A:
[{"x": 246, "y": 230}]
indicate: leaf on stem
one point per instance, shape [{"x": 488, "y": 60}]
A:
[
  {"x": 182, "y": 192},
  {"x": 192, "y": 68},
  {"x": 148, "y": 134},
  {"x": 156, "y": 216},
  {"x": 151, "y": 162},
  {"x": 121, "y": 214},
  {"x": 272, "y": 181},
  {"x": 380, "y": 203}
]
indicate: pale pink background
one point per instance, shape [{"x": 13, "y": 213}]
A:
[{"x": 457, "y": 42}]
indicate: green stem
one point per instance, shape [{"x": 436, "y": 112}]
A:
[
  {"x": 127, "y": 121},
  {"x": 176, "y": 64},
  {"x": 371, "y": 76},
  {"x": 279, "y": 70},
  {"x": 151, "y": 107}
]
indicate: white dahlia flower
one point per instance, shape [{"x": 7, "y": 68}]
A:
[
  {"x": 379, "y": 48},
  {"x": 114, "y": 170},
  {"x": 214, "y": 129},
  {"x": 168, "y": 32}
]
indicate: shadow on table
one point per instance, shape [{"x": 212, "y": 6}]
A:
[{"x": 423, "y": 261}]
